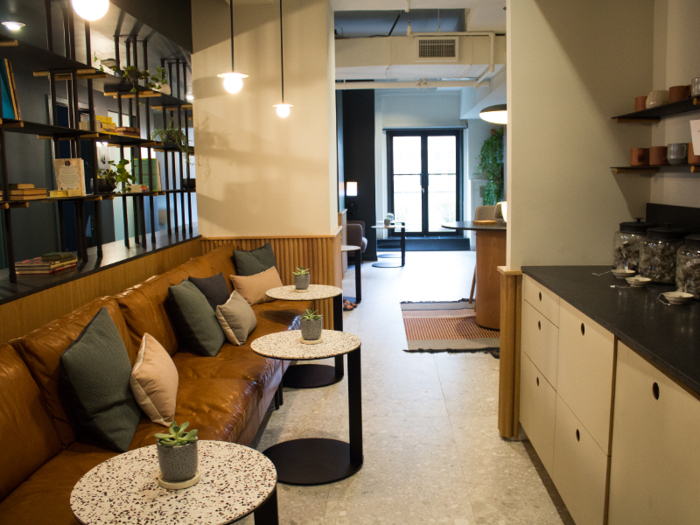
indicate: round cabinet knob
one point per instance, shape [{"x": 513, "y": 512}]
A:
[
  {"x": 539, "y": 325},
  {"x": 655, "y": 390},
  {"x": 578, "y": 435},
  {"x": 538, "y": 381},
  {"x": 583, "y": 329},
  {"x": 540, "y": 296}
]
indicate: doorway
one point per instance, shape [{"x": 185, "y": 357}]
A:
[{"x": 425, "y": 179}]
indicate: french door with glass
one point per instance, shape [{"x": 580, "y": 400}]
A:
[{"x": 425, "y": 179}]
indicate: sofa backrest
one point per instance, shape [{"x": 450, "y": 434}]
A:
[
  {"x": 220, "y": 262},
  {"x": 144, "y": 309},
  {"x": 41, "y": 350},
  {"x": 29, "y": 439}
]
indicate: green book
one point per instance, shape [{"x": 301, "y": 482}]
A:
[{"x": 57, "y": 256}]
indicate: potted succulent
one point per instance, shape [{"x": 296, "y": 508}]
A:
[
  {"x": 302, "y": 279},
  {"x": 108, "y": 179},
  {"x": 388, "y": 219},
  {"x": 177, "y": 453},
  {"x": 311, "y": 325}
]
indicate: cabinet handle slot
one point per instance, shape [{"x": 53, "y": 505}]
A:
[
  {"x": 540, "y": 296},
  {"x": 583, "y": 329},
  {"x": 539, "y": 325},
  {"x": 578, "y": 435},
  {"x": 538, "y": 381},
  {"x": 655, "y": 390}
]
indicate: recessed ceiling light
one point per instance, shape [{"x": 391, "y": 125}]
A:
[{"x": 13, "y": 26}]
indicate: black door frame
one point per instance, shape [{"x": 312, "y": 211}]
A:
[{"x": 424, "y": 133}]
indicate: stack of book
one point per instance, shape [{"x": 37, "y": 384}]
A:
[
  {"x": 46, "y": 264},
  {"x": 129, "y": 132},
  {"x": 24, "y": 192}
]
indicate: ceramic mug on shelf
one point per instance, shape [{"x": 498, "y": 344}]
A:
[
  {"x": 658, "y": 97},
  {"x": 692, "y": 157},
  {"x": 640, "y": 103},
  {"x": 695, "y": 87},
  {"x": 657, "y": 156},
  {"x": 639, "y": 157},
  {"x": 678, "y": 93},
  {"x": 677, "y": 153}
]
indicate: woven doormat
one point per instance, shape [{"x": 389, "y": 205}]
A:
[{"x": 446, "y": 326}]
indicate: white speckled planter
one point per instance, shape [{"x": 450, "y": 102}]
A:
[
  {"x": 302, "y": 282},
  {"x": 311, "y": 329},
  {"x": 178, "y": 463}
]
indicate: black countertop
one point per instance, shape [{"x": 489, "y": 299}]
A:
[{"x": 668, "y": 336}]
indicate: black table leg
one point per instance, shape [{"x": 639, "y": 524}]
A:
[
  {"x": 358, "y": 276},
  {"x": 403, "y": 245},
  {"x": 267, "y": 513},
  {"x": 355, "y": 406}
]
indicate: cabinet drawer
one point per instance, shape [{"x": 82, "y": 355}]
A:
[
  {"x": 585, "y": 363},
  {"x": 655, "y": 455},
  {"x": 537, "y": 408},
  {"x": 580, "y": 469},
  {"x": 544, "y": 301},
  {"x": 539, "y": 342}
]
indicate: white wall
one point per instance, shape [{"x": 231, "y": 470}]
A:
[
  {"x": 571, "y": 67},
  {"x": 676, "y": 62},
  {"x": 258, "y": 174}
]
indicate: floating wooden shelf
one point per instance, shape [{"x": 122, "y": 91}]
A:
[
  {"x": 651, "y": 170},
  {"x": 653, "y": 115}
]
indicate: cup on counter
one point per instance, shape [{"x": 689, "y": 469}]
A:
[
  {"x": 677, "y": 153},
  {"x": 678, "y": 93},
  {"x": 692, "y": 157},
  {"x": 657, "y": 156},
  {"x": 695, "y": 87},
  {"x": 639, "y": 157},
  {"x": 640, "y": 103}
]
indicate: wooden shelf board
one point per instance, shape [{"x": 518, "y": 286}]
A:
[
  {"x": 42, "y": 130},
  {"x": 86, "y": 198},
  {"x": 36, "y": 58},
  {"x": 657, "y": 113},
  {"x": 650, "y": 170}
]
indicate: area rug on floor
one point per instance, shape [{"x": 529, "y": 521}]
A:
[{"x": 446, "y": 326}]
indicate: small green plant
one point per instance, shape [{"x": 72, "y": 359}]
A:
[
  {"x": 311, "y": 315},
  {"x": 134, "y": 74},
  {"x": 176, "y": 435},
  {"x": 491, "y": 165},
  {"x": 301, "y": 271},
  {"x": 118, "y": 174},
  {"x": 389, "y": 216},
  {"x": 173, "y": 135}
]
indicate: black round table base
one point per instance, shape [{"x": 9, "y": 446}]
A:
[
  {"x": 310, "y": 376},
  {"x": 389, "y": 255},
  {"x": 312, "y": 461},
  {"x": 386, "y": 265}
]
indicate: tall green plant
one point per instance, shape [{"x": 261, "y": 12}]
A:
[{"x": 491, "y": 165}]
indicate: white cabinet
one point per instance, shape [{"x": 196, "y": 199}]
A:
[
  {"x": 542, "y": 299},
  {"x": 586, "y": 361},
  {"x": 537, "y": 410},
  {"x": 539, "y": 342},
  {"x": 580, "y": 468},
  {"x": 655, "y": 467}
]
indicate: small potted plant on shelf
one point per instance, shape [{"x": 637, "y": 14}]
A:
[
  {"x": 311, "y": 325},
  {"x": 132, "y": 74},
  {"x": 108, "y": 179},
  {"x": 388, "y": 219},
  {"x": 177, "y": 453},
  {"x": 174, "y": 136},
  {"x": 302, "y": 279}
]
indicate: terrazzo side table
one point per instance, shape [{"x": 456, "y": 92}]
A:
[
  {"x": 358, "y": 269},
  {"x": 235, "y": 481},
  {"x": 314, "y": 376},
  {"x": 394, "y": 226},
  {"x": 317, "y": 461}
]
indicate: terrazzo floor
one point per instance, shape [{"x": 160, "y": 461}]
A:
[{"x": 431, "y": 444}]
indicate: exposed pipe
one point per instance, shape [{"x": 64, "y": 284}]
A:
[{"x": 411, "y": 84}]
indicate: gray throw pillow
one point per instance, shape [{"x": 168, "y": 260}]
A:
[
  {"x": 237, "y": 319},
  {"x": 194, "y": 319},
  {"x": 214, "y": 289},
  {"x": 255, "y": 261},
  {"x": 94, "y": 375}
]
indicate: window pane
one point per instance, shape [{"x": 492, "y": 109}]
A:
[
  {"x": 407, "y": 156},
  {"x": 442, "y": 154},
  {"x": 408, "y": 205},
  {"x": 442, "y": 201}
]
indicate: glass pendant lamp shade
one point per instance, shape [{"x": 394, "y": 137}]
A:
[
  {"x": 233, "y": 81},
  {"x": 283, "y": 110},
  {"x": 495, "y": 114},
  {"x": 91, "y": 9}
]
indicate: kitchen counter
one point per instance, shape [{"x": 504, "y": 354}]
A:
[{"x": 668, "y": 336}]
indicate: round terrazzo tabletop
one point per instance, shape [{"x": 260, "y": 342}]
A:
[
  {"x": 235, "y": 481},
  {"x": 315, "y": 292},
  {"x": 288, "y": 345}
]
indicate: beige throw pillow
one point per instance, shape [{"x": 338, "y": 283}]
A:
[
  {"x": 237, "y": 319},
  {"x": 253, "y": 287},
  {"x": 154, "y": 381}
]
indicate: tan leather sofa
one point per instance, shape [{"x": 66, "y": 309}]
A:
[{"x": 225, "y": 397}]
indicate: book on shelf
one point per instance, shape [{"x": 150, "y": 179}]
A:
[
  {"x": 58, "y": 194},
  {"x": 57, "y": 256},
  {"x": 22, "y": 186},
  {"x": 38, "y": 264},
  {"x": 8, "y": 90},
  {"x": 70, "y": 174},
  {"x": 33, "y": 191},
  {"x": 128, "y": 129},
  {"x": 33, "y": 271},
  {"x": 151, "y": 180}
]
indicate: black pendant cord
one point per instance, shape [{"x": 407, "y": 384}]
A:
[
  {"x": 231, "y": 9},
  {"x": 281, "y": 51}
]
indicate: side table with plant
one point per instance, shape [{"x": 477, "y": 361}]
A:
[
  {"x": 302, "y": 279},
  {"x": 311, "y": 325},
  {"x": 177, "y": 453}
]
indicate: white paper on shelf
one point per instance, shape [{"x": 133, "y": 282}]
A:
[
  {"x": 695, "y": 134},
  {"x": 70, "y": 174}
]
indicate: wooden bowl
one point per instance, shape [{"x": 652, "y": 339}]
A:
[{"x": 485, "y": 222}]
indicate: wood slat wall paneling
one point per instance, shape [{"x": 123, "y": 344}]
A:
[
  {"x": 320, "y": 253},
  {"x": 509, "y": 368}
]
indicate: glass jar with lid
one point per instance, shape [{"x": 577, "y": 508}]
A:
[
  {"x": 688, "y": 266},
  {"x": 627, "y": 244},
  {"x": 658, "y": 257}
]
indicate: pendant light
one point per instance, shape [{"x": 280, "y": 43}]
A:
[
  {"x": 495, "y": 114},
  {"x": 283, "y": 109},
  {"x": 91, "y": 10},
  {"x": 233, "y": 81}
]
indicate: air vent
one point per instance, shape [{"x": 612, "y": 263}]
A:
[{"x": 437, "y": 50}]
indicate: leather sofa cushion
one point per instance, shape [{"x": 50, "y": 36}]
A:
[
  {"x": 42, "y": 349},
  {"x": 29, "y": 437},
  {"x": 220, "y": 261}
]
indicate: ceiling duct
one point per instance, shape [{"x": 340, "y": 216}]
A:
[{"x": 437, "y": 50}]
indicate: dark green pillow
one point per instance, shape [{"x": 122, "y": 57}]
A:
[
  {"x": 94, "y": 384},
  {"x": 255, "y": 261},
  {"x": 214, "y": 289},
  {"x": 194, "y": 319}
]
